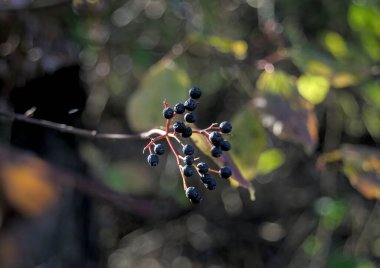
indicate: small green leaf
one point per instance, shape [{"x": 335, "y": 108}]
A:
[
  {"x": 269, "y": 160},
  {"x": 371, "y": 45},
  {"x": 311, "y": 246},
  {"x": 371, "y": 93},
  {"x": 335, "y": 44},
  {"x": 314, "y": 88},
  {"x": 164, "y": 80},
  {"x": 371, "y": 118}
]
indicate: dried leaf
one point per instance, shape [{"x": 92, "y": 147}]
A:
[
  {"x": 225, "y": 160},
  {"x": 291, "y": 119},
  {"x": 361, "y": 165}
]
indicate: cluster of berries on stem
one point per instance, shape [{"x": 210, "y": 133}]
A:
[{"x": 177, "y": 131}]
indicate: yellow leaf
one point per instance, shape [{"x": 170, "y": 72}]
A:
[
  {"x": 26, "y": 186},
  {"x": 342, "y": 80},
  {"x": 239, "y": 49}
]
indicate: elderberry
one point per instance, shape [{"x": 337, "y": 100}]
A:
[
  {"x": 179, "y": 108},
  {"x": 225, "y": 145},
  {"x": 225, "y": 172},
  {"x": 188, "y": 149},
  {"x": 179, "y": 127},
  {"x": 202, "y": 167},
  {"x": 195, "y": 93},
  {"x": 216, "y": 151},
  {"x": 159, "y": 149},
  {"x": 188, "y": 159},
  {"x": 168, "y": 113},
  {"x": 190, "y": 117},
  {"x": 190, "y": 104},
  {"x": 153, "y": 160},
  {"x": 193, "y": 194},
  {"x": 225, "y": 127},
  {"x": 188, "y": 171},
  {"x": 187, "y": 132},
  {"x": 215, "y": 138}
]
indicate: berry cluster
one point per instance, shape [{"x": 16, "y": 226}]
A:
[{"x": 187, "y": 162}]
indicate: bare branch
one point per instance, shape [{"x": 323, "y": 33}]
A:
[{"x": 78, "y": 131}]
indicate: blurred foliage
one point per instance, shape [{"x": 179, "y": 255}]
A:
[{"x": 299, "y": 80}]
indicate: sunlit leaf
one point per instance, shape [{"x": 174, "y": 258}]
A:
[
  {"x": 338, "y": 73},
  {"x": 164, "y": 80},
  {"x": 313, "y": 88},
  {"x": 335, "y": 44},
  {"x": 248, "y": 140},
  {"x": 26, "y": 186},
  {"x": 269, "y": 160}
]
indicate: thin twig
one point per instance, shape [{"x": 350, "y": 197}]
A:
[{"x": 78, "y": 131}]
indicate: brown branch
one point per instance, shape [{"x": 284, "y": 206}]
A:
[{"x": 77, "y": 131}]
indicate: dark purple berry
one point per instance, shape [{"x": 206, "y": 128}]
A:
[
  {"x": 225, "y": 127},
  {"x": 202, "y": 167},
  {"x": 225, "y": 146},
  {"x": 189, "y": 160},
  {"x": 179, "y": 127},
  {"x": 187, "y": 132},
  {"x": 225, "y": 172},
  {"x": 188, "y": 149},
  {"x": 188, "y": 171},
  {"x": 159, "y": 149},
  {"x": 193, "y": 194},
  {"x": 216, "y": 151},
  {"x": 153, "y": 160},
  {"x": 168, "y": 113},
  {"x": 179, "y": 108},
  {"x": 215, "y": 138},
  {"x": 190, "y": 104},
  {"x": 195, "y": 93},
  {"x": 208, "y": 181},
  {"x": 190, "y": 117}
]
